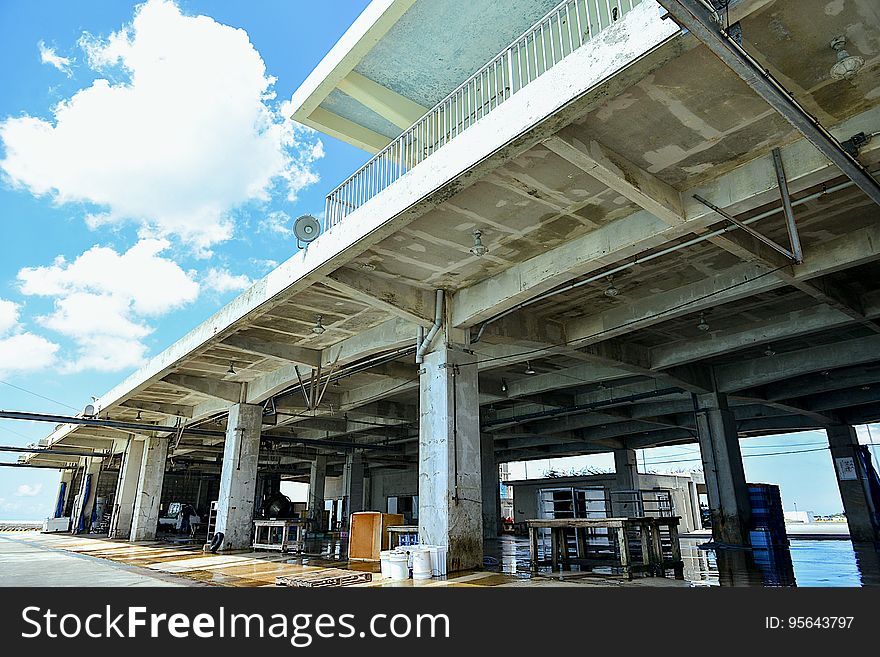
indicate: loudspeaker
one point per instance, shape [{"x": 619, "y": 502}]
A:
[{"x": 306, "y": 228}]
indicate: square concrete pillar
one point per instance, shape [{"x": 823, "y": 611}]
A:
[
  {"x": 317, "y": 475},
  {"x": 85, "y": 501},
  {"x": 852, "y": 479},
  {"x": 626, "y": 472},
  {"x": 64, "y": 492},
  {"x": 726, "y": 485},
  {"x": 625, "y": 502},
  {"x": 126, "y": 489},
  {"x": 450, "y": 490},
  {"x": 490, "y": 485},
  {"x": 238, "y": 478},
  {"x": 353, "y": 481},
  {"x": 145, "y": 516}
]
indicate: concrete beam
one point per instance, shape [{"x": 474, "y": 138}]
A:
[
  {"x": 401, "y": 111},
  {"x": 176, "y": 410},
  {"x": 412, "y": 304},
  {"x": 348, "y": 131},
  {"x": 746, "y": 187},
  {"x": 281, "y": 350},
  {"x": 615, "y": 171},
  {"x": 791, "y": 325},
  {"x": 757, "y": 372},
  {"x": 223, "y": 390}
]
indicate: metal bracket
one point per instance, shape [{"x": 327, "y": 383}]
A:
[{"x": 748, "y": 229}]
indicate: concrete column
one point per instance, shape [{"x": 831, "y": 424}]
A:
[
  {"x": 490, "y": 487},
  {"x": 626, "y": 479},
  {"x": 126, "y": 489},
  {"x": 145, "y": 516},
  {"x": 450, "y": 491},
  {"x": 353, "y": 481},
  {"x": 852, "y": 479},
  {"x": 317, "y": 475},
  {"x": 723, "y": 468},
  {"x": 238, "y": 478},
  {"x": 64, "y": 493},
  {"x": 626, "y": 473},
  {"x": 85, "y": 503}
]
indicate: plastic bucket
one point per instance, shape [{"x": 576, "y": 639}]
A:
[
  {"x": 421, "y": 568},
  {"x": 438, "y": 559},
  {"x": 398, "y": 566},
  {"x": 385, "y": 562}
]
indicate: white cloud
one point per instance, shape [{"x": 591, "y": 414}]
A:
[
  {"x": 20, "y": 350},
  {"x": 192, "y": 134},
  {"x": 50, "y": 57},
  {"x": 27, "y": 490},
  {"x": 278, "y": 222},
  {"x": 222, "y": 280},
  {"x": 103, "y": 298},
  {"x": 8, "y": 315}
]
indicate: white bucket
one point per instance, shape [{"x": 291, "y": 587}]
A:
[
  {"x": 421, "y": 568},
  {"x": 385, "y": 562},
  {"x": 398, "y": 568},
  {"x": 438, "y": 561}
]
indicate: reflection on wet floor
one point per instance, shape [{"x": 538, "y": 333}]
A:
[{"x": 808, "y": 563}]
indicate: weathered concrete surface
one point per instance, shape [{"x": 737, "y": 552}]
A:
[
  {"x": 145, "y": 516},
  {"x": 490, "y": 486},
  {"x": 861, "y": 514},
  {"x": 85, "y": 503},
  {"x": 450, "y": 491},
  {"x": 723, "y": 469},
  {"x": 353, "y": 483},
  {"x": 238, "y": 479},
  {"x": 317, "y": 476},
  {"x": 126, "y": 489}
]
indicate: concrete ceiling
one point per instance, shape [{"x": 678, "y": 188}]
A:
[{"x": 679, "y": 131}]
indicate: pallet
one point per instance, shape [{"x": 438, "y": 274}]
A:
[{"x": 324, "y": 577}]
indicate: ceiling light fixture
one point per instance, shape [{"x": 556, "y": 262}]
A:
[
  {"x": 503, "y": 385},
  {"x": 611, "y": 291},
  {"x": 479, "y": 249},
  {"x": 846, "y": 66},
  {"x": 231, "y": 369},
  {"x": 703, "y": 325},
  {"x": 769, "y": 351},
  {"x": 318, "y": 328},
  {"x": 529, "y": 369}
]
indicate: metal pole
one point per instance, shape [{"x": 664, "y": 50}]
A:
[{"x": 790, "y": 223}]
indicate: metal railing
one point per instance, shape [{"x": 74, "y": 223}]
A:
[{"x": 563, "y": 30}]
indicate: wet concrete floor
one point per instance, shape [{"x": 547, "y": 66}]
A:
[{"x": 35, "y": 559}]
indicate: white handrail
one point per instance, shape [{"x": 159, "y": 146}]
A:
[{"x": 560, "y": 32}]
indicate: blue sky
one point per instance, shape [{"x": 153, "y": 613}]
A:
[{"x": 147, "y": 175}]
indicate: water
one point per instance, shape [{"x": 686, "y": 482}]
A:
[
  {"x": 814, "y": 563},
  {"x": 808, "y": 563}
]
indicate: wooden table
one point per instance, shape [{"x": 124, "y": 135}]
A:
[
  {"x": 397, "y": 530},
  {"x": 270, "y": 528},
  {"x": 653, "y": 561}
]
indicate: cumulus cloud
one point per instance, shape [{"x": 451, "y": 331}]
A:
[
  {"x": 52, "y": 58},
  {"x": 191, "y": 132},
  {"x": 222, "y": 280},
  {"x": 21, "y": 350},
  {"x": 103, "y": 298},
  {"x": 27, "y": 490}
]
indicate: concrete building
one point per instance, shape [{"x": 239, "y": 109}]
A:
[{"x": 576, "y": 232}]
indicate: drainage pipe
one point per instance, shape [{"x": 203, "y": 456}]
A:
[{"x": 435, "y": 327}]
